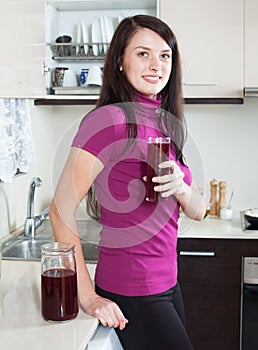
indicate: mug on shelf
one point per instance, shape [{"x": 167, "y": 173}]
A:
[
  {"x": 70, "y": 79},
  {"x": 58, "y": 76},
  {"x": 84, "y": 76},
  {"x": 66, "y": 49},
  {"x": 94, "y": 76}
]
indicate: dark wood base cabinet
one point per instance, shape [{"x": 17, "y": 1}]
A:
[
  {"x": 250, "y": 247},
  {"x": 209, "y": 273}
]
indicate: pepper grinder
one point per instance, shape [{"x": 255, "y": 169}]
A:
[
  {"x": 222, "y": 203},
  {"x": 213, "y": 198}
]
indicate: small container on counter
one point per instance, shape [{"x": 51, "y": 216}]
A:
[
  {"x": 59, "y": 298},
  {"x": 226, "y": 213}
]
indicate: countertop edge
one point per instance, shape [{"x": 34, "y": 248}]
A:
[
  {"x": 21, "y": 322},
  {"x": 214, "y": 228}
]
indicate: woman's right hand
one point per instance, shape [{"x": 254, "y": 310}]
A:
[{"x": 105, "y": 310}]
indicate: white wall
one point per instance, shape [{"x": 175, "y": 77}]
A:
[{"x": 224, "y": 135}]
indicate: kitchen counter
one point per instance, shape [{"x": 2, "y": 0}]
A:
[
  {"x": 214, "y": 227},
  {"x": 21, "y": 323}
]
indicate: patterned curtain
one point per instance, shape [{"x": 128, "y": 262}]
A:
[{"x": 16, "y": 144}]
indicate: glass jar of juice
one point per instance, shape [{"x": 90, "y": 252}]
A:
[{"x": 59, "y": 298}]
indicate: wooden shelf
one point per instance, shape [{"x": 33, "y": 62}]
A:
[
  {"x": 216, "y": 101},
  {"x": 65, "y": 102},
  {"x": 91, "y": 100}
]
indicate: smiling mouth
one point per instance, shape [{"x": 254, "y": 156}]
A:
[{"x": 150, "y": 78}]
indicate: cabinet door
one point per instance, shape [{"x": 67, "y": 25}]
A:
[
  {"x": 210, "y": 38},
  {"x": 251, "y": 43},
  {"x": 22, "y": 48},
  {"x": 250, "y": 247},
  {"x": 210, "y": 280}
]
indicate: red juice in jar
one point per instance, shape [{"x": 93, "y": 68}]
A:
[
  {"x": 59, "y": 300},
  {"x": 158, "y": 151}
]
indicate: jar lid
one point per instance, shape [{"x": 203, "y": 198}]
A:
[{"x": 57, "y": 248}]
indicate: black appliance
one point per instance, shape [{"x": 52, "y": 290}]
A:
[
  {"x": 249, "y": 219},
  {"x": 250, "y": 304}
]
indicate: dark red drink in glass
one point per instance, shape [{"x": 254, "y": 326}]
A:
[
  {"x": 158, "y": 152},
  {"x": 59, "y": 295}
]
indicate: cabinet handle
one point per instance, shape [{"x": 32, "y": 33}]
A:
[
  {"x": 189, "y": 253},
  {"x": 45, "y": 69},
  {"x": 200, "y": 84}
]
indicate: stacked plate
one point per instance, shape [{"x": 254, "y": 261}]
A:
[
  {"x": 96, "y": 37},
  {"x": 85, "y": 37},
  {"x": 102, "y": 30},
  {"x": 93, "y": 39}
]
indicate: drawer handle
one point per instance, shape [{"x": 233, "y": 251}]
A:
[{"x": 189, "y": 253}]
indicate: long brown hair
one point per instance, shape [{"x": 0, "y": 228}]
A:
[{"x": 117, "y": 89}]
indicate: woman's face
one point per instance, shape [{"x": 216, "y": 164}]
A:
[{"x": 147, "y": 62}]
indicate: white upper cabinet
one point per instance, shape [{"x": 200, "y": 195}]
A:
[
  {"x": 29, "y": 29},
  {"x": 210, "y": 35},
  {"x": 91, "y": 25},
  {"x": 22, "y": 29},
  {"x": 251, "y": 44}
]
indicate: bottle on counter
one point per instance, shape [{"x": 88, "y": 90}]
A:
[
  {"x": 222, "y": 202},
  {"x": 59, "y": 297},
  {"x": 213, "y": 197}
]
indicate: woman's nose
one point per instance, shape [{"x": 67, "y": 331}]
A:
[{"x": 155, "y": 64}]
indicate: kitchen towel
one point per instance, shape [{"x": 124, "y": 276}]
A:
[{"x": 16, "y": 144}]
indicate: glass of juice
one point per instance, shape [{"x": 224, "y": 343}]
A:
[
  {"x": 59, "y": 299},
  {"x": 158, "y": 151}
]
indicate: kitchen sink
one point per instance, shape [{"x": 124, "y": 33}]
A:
[
  {"x": 31, "y": 250},
  {"x": 23, "y": 248}
]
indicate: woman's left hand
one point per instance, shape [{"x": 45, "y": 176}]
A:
[
  {"x": 171, "y": 184},
  {"x": 188, "y": 197}
]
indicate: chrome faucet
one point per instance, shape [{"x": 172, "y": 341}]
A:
[{"x": 32, "y": 222}]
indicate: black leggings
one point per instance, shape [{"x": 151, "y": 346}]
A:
[{"x": 156, "y": 322}]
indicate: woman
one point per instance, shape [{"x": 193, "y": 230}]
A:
[{"x": 136, "y": 289}]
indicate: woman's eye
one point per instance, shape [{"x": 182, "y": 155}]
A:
[
  {"x": 165, "y": 56},
  {"x": 143, "y": 54}
]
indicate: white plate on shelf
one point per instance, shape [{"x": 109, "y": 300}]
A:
[
  {"x": 120, "y": 18},
  {"x": 85, "y": 37},
  {"x": 115, "y": 22},
  {"x": 96, "y": 37},
  {"x": 109, "y": 27},
  {"x": 103, "y": 34},
  {"x": 78, "y": 37}
]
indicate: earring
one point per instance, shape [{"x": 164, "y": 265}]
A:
[{"x": 121, "y": 68}]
